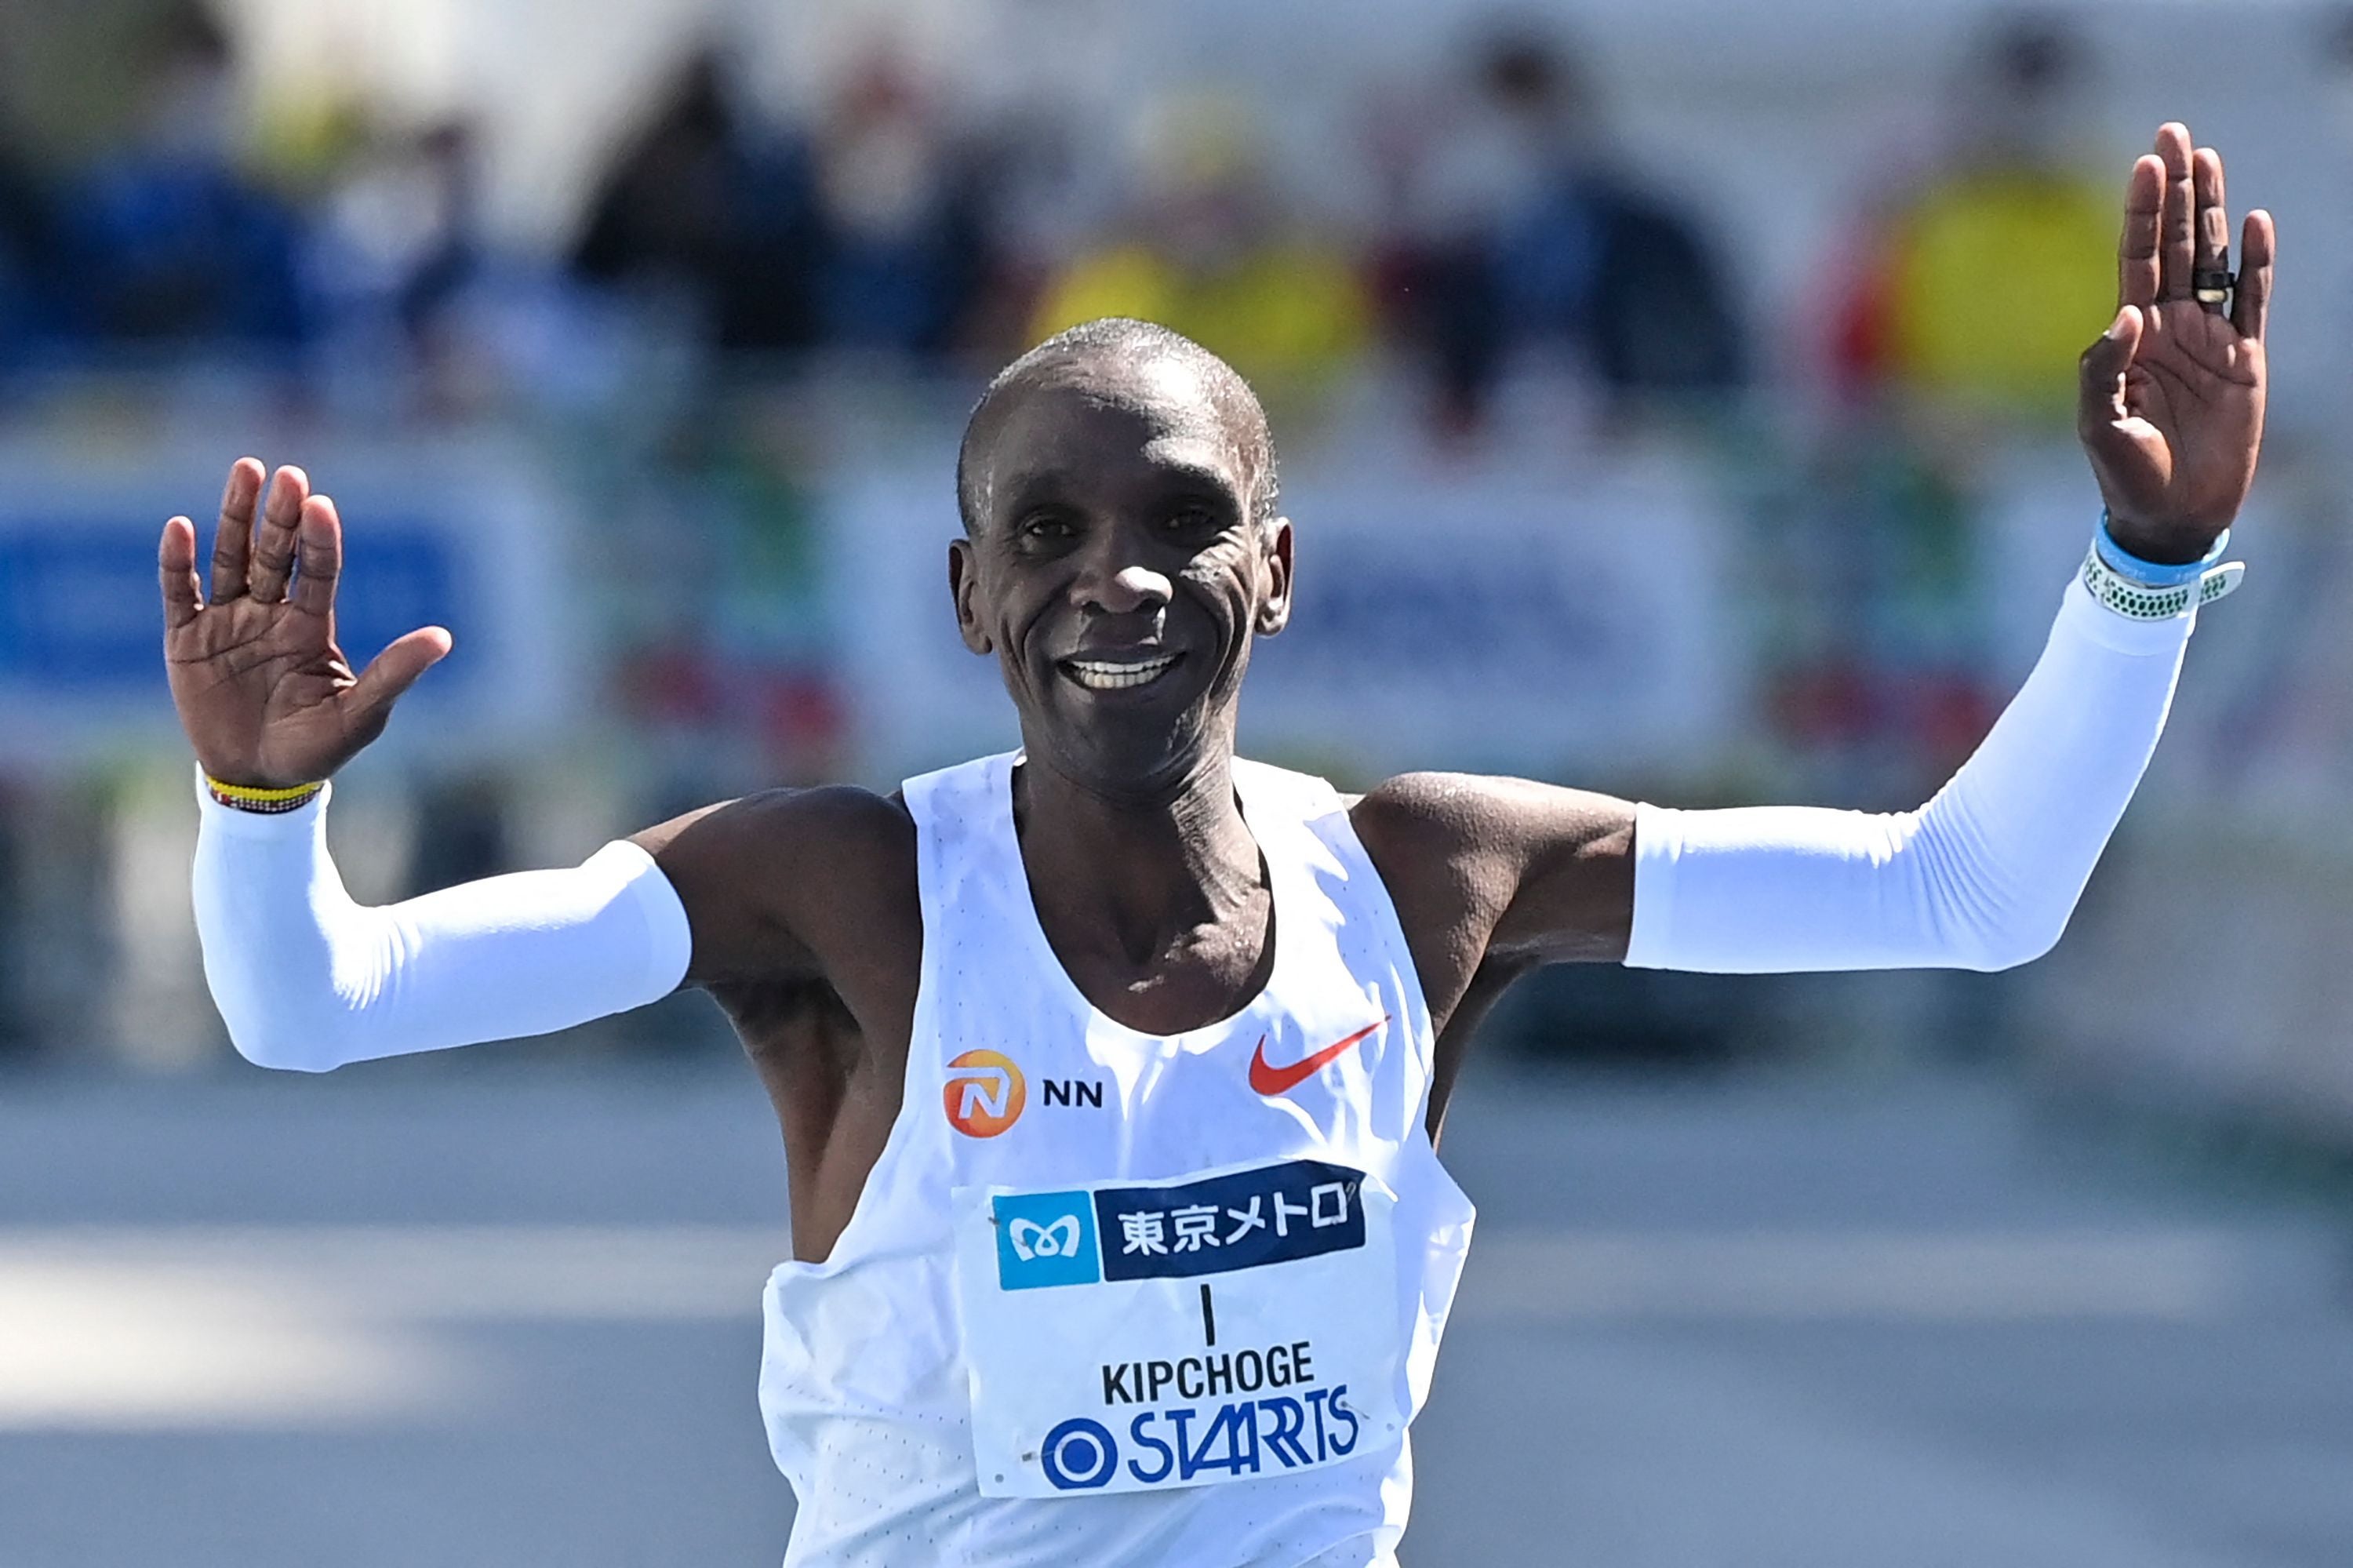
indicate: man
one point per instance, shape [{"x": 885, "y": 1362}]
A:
[{"x": 1120, "y": 1236}]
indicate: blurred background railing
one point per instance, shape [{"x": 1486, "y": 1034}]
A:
[{"x": 1674, "y": 399}]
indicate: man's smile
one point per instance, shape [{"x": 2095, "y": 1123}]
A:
[{"x": 1098, "y": 673}]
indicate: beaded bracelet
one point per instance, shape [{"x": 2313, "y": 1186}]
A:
[{"x": 267, "y": 802}]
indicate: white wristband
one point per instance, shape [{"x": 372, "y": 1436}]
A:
[{"x": 2139, "y": 602}]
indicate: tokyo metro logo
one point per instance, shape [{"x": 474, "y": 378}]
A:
[
  {"x": 1031, "y": 1240},
  {"x": 1045, "y": 1238},
  {"x": 985, "y": 1093}
]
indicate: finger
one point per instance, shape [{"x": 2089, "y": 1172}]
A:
[
  {"x": 318, "y": 556},
  {"x": 183, "y": 594},
  {"x": 393, "y": 671},
  {"x": 232, "y": 540},
  {"x": 273, "y": 541},
  {"x": 2212, "y": 228},
  {"x": 2136, "y": 250},
  {"x": 2100, "y": 398},
  {"x": 2176, "y": 241},
  {"x": 2251, "y": 310}
]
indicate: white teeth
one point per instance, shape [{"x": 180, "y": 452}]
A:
[{"x": 1099, "y": 675}]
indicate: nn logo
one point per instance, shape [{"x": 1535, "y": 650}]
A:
[{"x": 985, "y": 1093}]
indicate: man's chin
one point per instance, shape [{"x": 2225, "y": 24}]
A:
[{"x": 1128, "y": 754}]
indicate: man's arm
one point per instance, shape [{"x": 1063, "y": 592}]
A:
[
  {"x": 310, "y": 979},
  {"x": 305, "y": 977},
  {"x": 1985, "y": 875}
]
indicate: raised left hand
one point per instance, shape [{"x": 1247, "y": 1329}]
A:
[{"x": 2170, "y": 408}]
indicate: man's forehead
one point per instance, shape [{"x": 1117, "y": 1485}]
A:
[
  {"x": 1160, "y": 390},
  {"x": 1161, "y": 411}
]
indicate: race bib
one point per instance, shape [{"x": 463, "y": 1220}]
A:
[{"x": 1123, "y": 1338}]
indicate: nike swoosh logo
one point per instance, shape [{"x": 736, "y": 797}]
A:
[{"x": 1273, "y": 1080}]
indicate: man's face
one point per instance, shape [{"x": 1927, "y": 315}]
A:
[{"x": 1117, "y": 573}]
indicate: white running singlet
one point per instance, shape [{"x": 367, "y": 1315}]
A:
[{"x": 1116, "y": 1298}]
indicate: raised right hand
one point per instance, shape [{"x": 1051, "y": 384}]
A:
[{"x": 267, "y": 697}]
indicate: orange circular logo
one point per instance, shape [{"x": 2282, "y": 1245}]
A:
[{"x": 985, "y": 1093}]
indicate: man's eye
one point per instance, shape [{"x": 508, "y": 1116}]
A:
[
  {"x": 1046, "y": 528},
  {"x": 1192, "y": 520}
]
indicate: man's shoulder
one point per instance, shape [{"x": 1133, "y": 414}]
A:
[
  {"x": 787, "y": 882},
  {"x": 829, "y": 823},
  {"x": 1421, "y": 810},
  {"x": 1456, "y": 819},
  {"x": 1425, "y": 834},
  {"x": 833, "y": 838}
]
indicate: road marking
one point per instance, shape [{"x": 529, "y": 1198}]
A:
[{"x": 93, "y": 1345}]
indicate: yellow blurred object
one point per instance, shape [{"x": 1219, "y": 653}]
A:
[
  {"x": 1998, "y": 279},
  {"x": 1287, "y": 315},
  {"x": 307, "y": 133},
  {"x": 1199, "y": 139}
]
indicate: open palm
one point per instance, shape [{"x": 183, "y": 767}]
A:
[
  {"x": 265, "y": 694},
  {"x": 2171, "y": 406}
]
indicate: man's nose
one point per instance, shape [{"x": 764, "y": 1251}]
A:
[{"x": 1115, "y": 579}]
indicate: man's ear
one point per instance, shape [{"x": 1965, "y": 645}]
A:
[
  {"x": 964, "y": 583},
  {"x": 1275, "y": 609}
]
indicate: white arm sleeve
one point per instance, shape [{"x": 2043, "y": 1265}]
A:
[
  {"x": 1982, "y": 877},
  {"x": 308, "y": 979}
]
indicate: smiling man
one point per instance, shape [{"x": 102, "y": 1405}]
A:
[{"x": 1119, "y": 1235}]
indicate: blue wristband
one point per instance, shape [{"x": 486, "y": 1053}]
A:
[{"x": 2152, "y": 574}]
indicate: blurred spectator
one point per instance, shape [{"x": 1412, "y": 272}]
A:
[
  {"x": 166, "y": 240},
  {"x": 711, "y": 202},
  {"x": 1983, "y": 282},
  {"x": 1048, "y": 186},
  {"x": 17, "y": 1033},
  {"x": 404, "y": 230},
  {"x": 1977, "y": 286},
  {"x": 24, "y": 247},
  {"x": 903, "y": 248},
  {"x": 1210, "y": 253},
  {"x": 1522, "y": 233}
]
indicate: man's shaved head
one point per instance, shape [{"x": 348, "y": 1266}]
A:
[
  {"x": 1121, "y": 552},
  {"x": 1107, "y": 350}
]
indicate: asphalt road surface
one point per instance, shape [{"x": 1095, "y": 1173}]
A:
[{"x": 507, "y": 1313}]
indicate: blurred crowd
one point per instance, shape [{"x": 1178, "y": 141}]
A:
[{"x": 1505, "y": 229}]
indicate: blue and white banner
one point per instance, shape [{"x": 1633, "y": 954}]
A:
[{"x": 458, "y": 538}]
